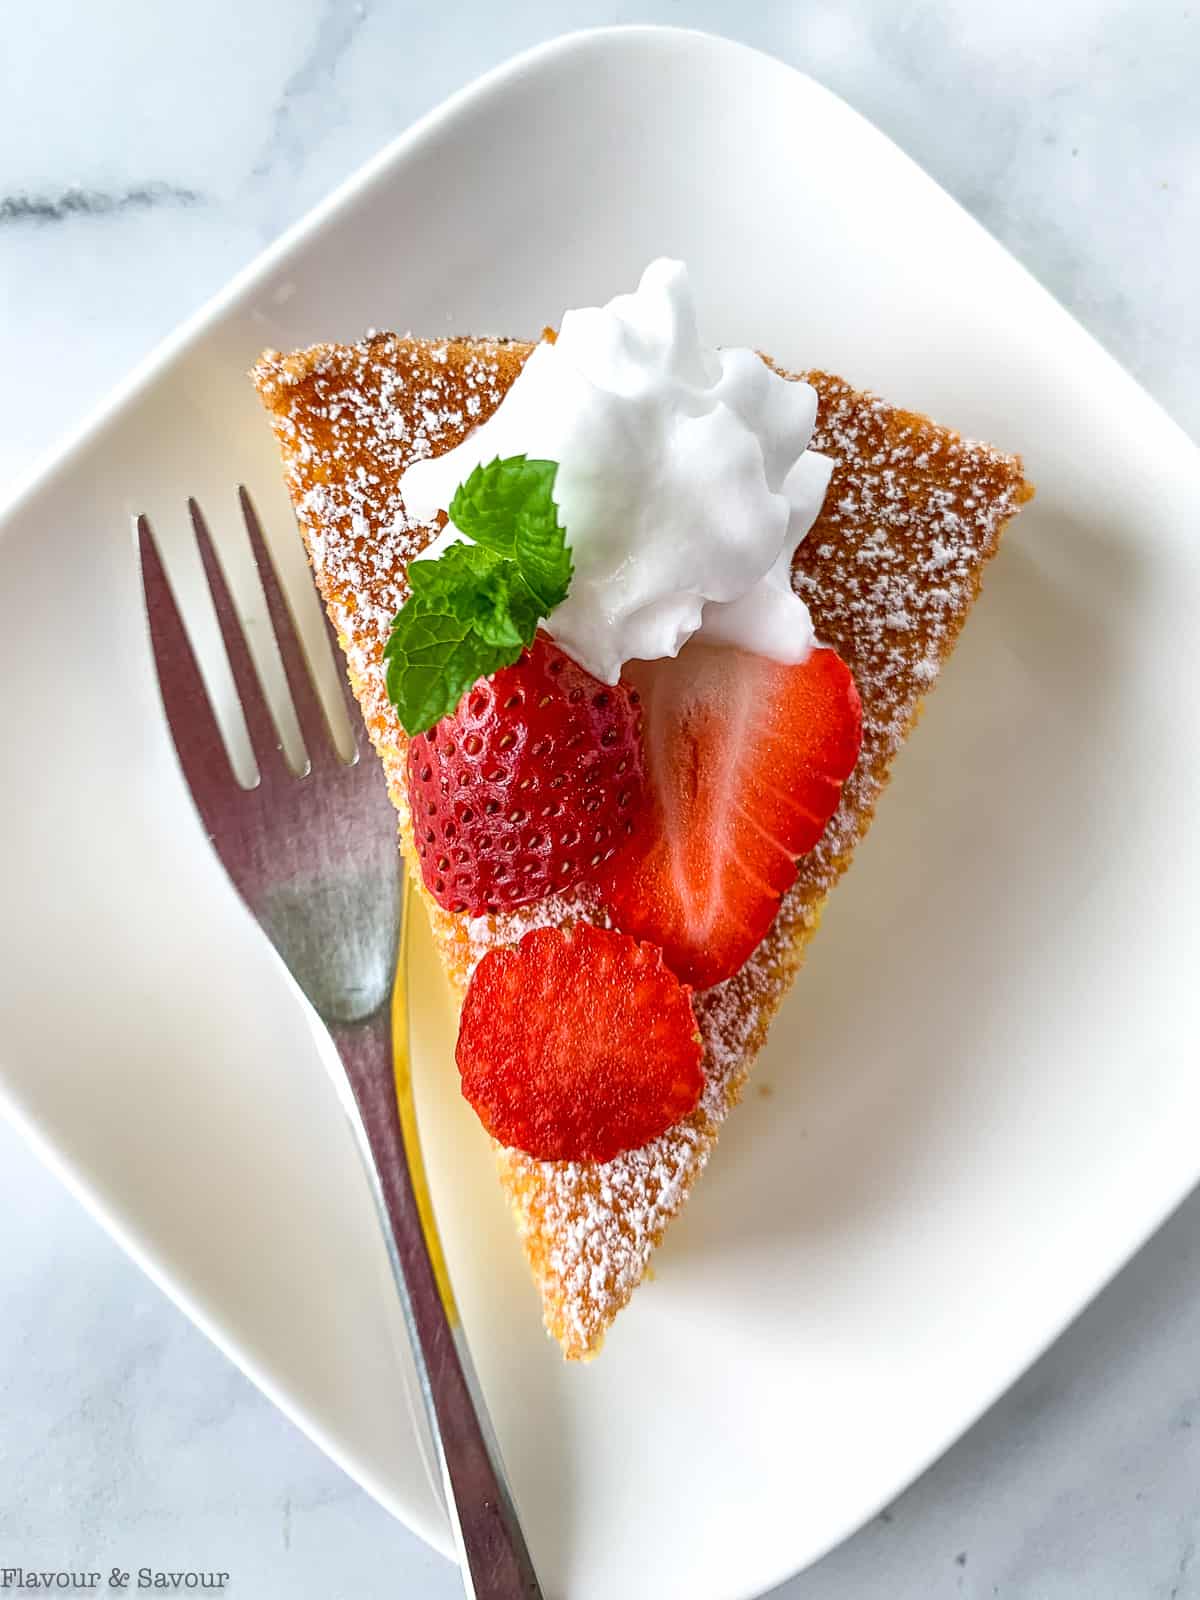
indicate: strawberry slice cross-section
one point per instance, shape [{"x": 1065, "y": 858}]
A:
[
  {"x": 745, "y": 762},
  {"x": 577, "y": 1044}
]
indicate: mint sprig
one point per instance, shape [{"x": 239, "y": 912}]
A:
[{"x": 474, "y": 609}]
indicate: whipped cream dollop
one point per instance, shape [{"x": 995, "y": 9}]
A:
[{"x": 684, "y": 482}]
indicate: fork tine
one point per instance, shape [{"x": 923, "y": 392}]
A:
[
  {"x": 319, "y": 736},
  {"x": 260, "y": 722},
  {"x": 195, "y": 731},
  {"x": 354, "y": 715}
]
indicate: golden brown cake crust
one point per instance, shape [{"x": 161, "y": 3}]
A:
[{"x": 889, "y": 571}]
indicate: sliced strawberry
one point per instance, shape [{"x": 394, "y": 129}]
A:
[
  {"x": 577, "y": 1044},
  {"x": 745, "y": 762},
  {"x": 533, "y": 782}
]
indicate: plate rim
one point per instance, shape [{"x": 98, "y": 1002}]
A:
[{"x": 58, "y": 456}]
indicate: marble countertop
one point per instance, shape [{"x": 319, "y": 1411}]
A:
[{"x": 149, "y": 150}]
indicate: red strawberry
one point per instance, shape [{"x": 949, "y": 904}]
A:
[
  {"x": 578, "y": 1043},
  {"x": 532, "y": 783},
  {"x": 745, "y": 761}
]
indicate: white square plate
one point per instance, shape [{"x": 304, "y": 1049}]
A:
[{"x": 985, "y": 1085}]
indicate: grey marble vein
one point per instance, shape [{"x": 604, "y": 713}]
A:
[
  {"x": 308, "y": 105},
  {"x": 71, "y": 203}
]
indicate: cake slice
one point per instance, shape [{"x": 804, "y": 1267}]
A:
[{"x": 889, "y": 571}]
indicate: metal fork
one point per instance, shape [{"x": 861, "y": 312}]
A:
[{"x": 315, "y": 858}]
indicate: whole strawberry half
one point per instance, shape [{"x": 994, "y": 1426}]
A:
[
  {"x": 745, "y": 762},
  {"x": 533, "y": 783}
]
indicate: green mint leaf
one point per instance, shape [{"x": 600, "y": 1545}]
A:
[
  {"x": 480, "y": 589},
  {"x": 433, "y": 666},
  {"x": 508, "y": 506},
  {"x": 434, "y": 656},
  {"x": 474, "y": 609}
]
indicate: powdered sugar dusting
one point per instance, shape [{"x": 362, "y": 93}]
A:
[
  {"x": 578, "y": 904},
  {"x": 889, "y": 572},
  {"x": 369, "y": 411}
]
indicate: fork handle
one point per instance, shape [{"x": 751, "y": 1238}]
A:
[{"x": 494, "y": 1557}]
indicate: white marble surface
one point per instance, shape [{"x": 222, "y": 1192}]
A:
[{"x": 146, "y": 151}]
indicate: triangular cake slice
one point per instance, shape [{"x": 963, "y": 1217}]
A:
[{"x": 889, "y": 571}]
